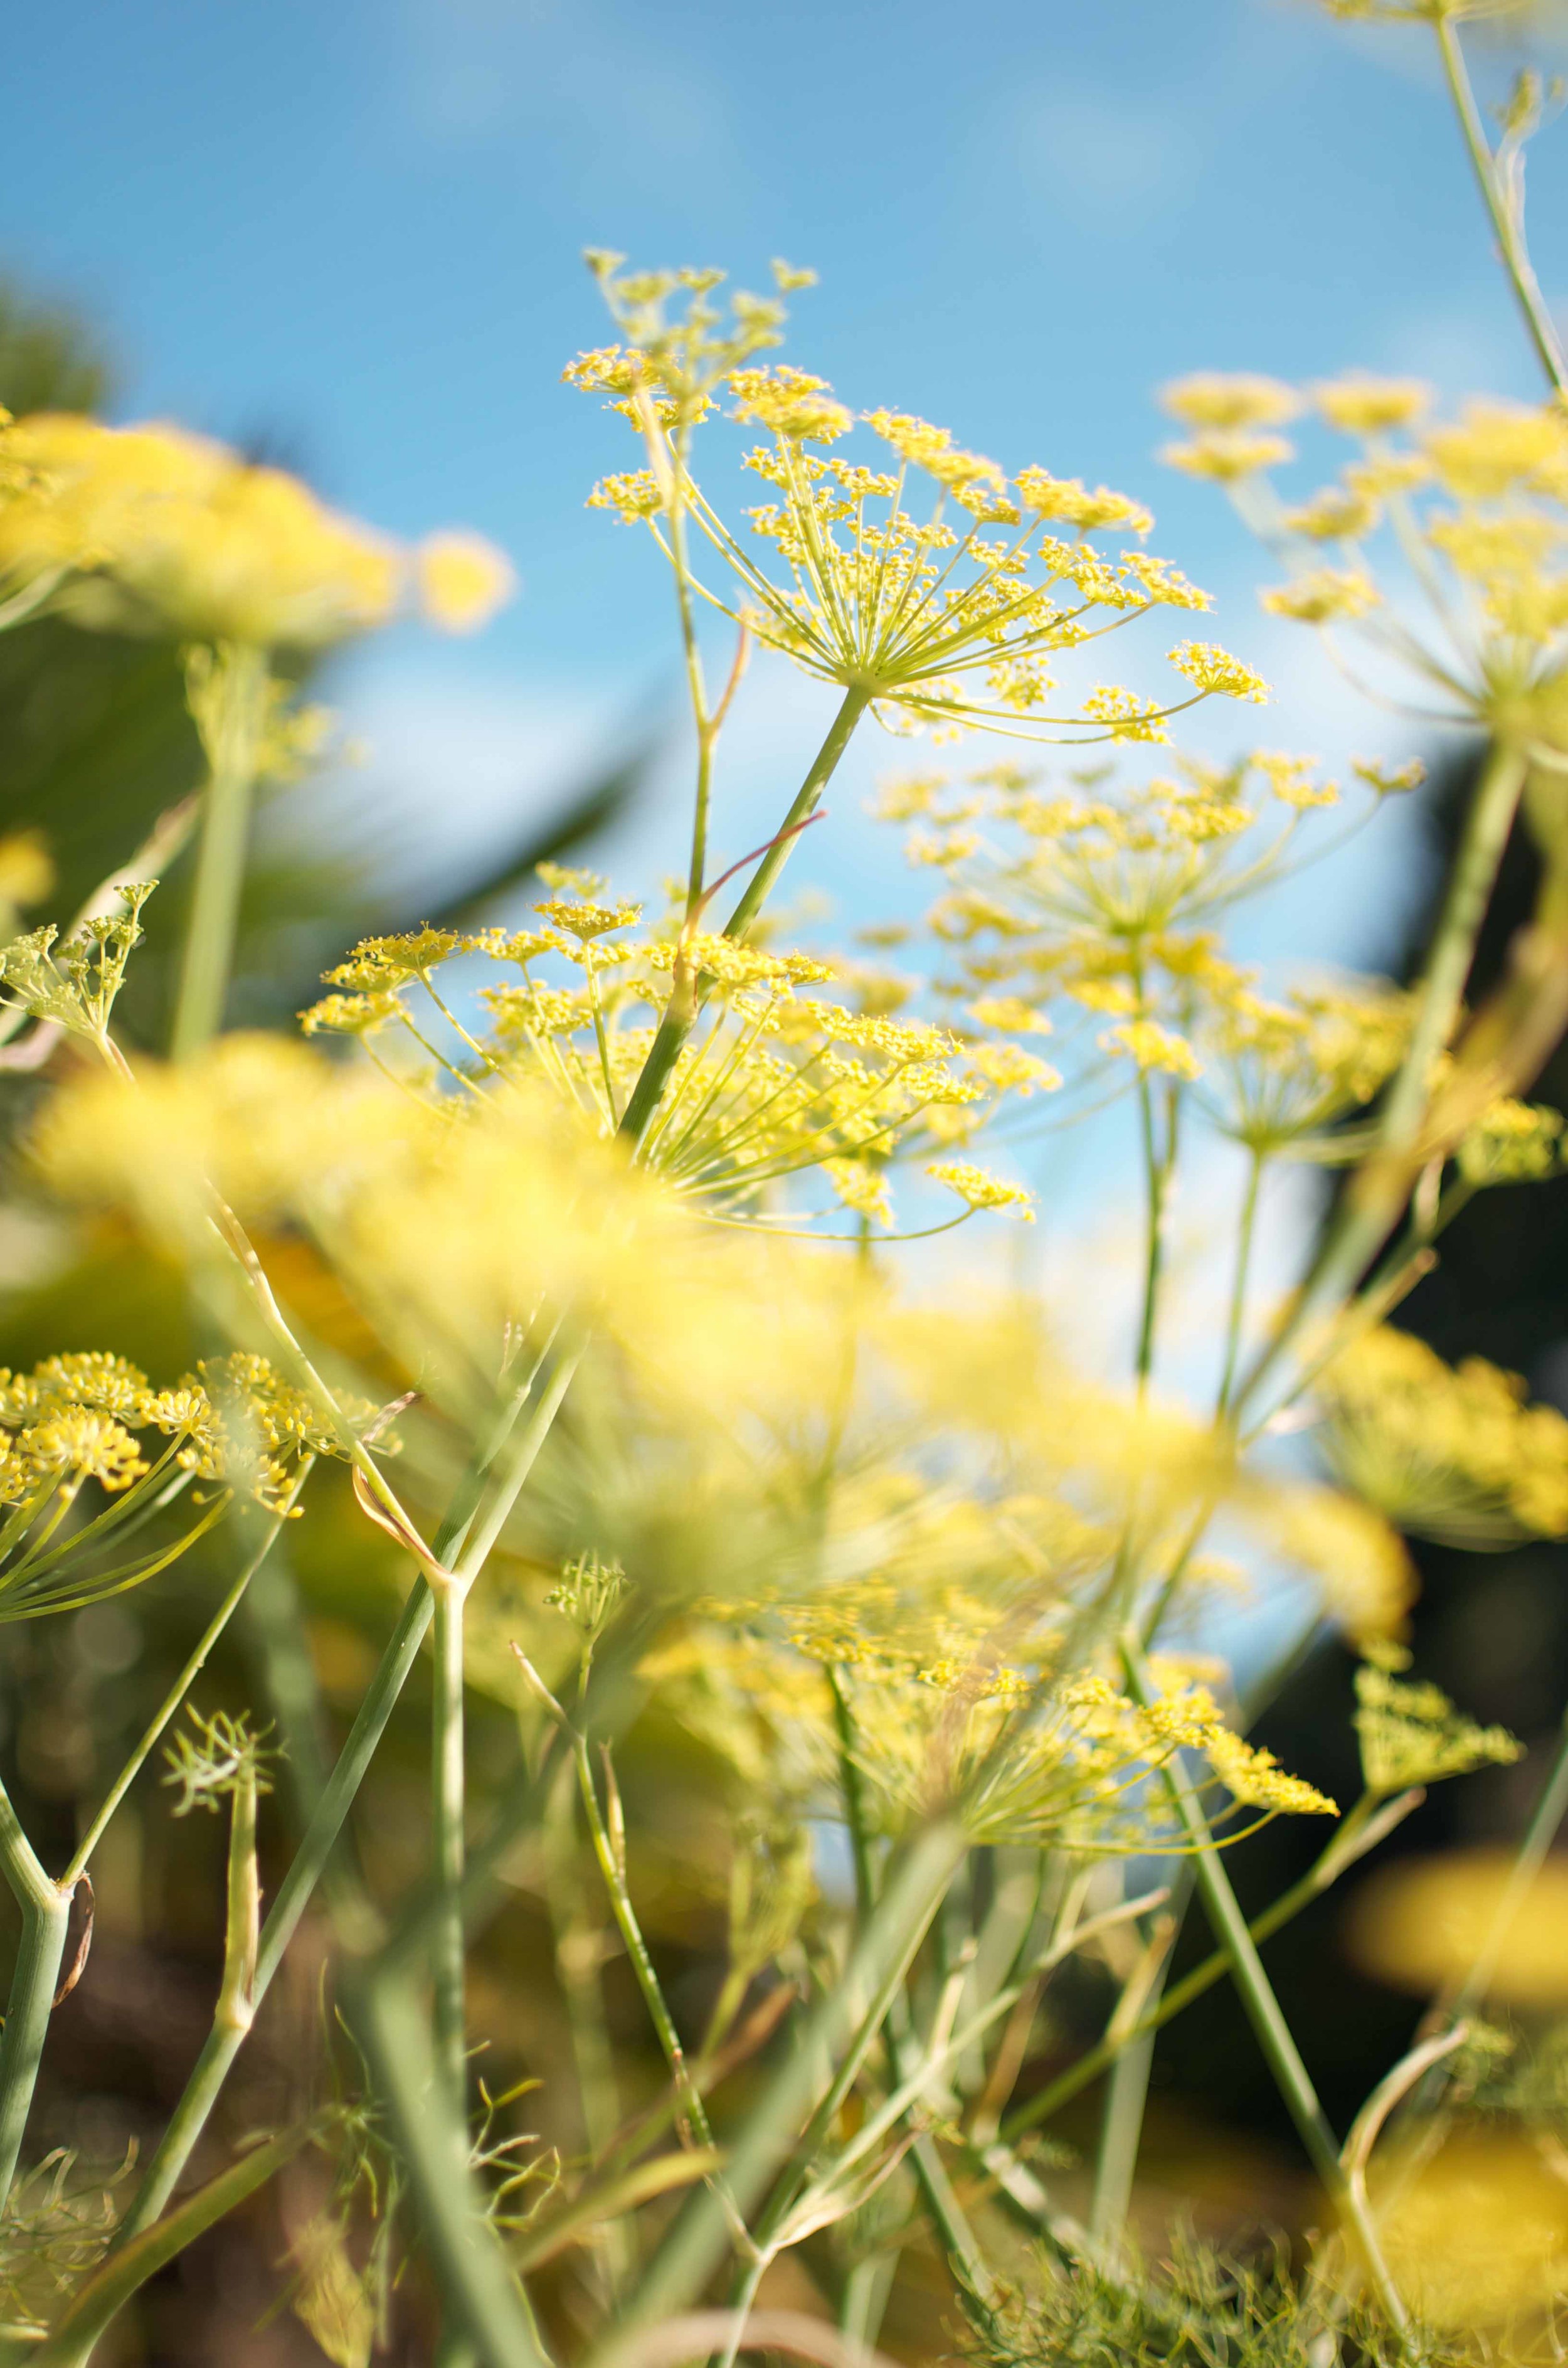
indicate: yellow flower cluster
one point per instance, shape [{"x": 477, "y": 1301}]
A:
[
  {"x": 1410, "y": 1733},
  {"x": 1286, "y": 1070},
  {"x": 1024, "y": 1754},
  {"x": 772, "y": 1085},
  {"x": 1511, "y": 1143},
  {"x": 1095, "y": 900},
  {"x": 933, "y": 622},
  {"x": 1446, "y": 1452},
  {"x": 153, "y": 529},
  {"x": 94, "y": 1417},
  {"x": 1479, "y": 500}
]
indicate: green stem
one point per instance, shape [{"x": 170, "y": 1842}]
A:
[
  {"x": 46, "y": 1915},
  {"x": 1539, "y": 1836},
  {"x": 1237, "y": 1318},
  {"x": 607, "y": 1852},
  {"x": 1213, "y": 1968},
  {"x": 864, "y": 2299},
  {"x": 578, "y": 1970},
  {"x": 1508, "y": 228},
  {"x": 953, "y": 2234},
  {"x": 169, "y": 1705},
  {"x": 273, "y": 1618},
  {"x": 472, "y": 2267},
  {"x": 1127, "y": 2095},
  {"x": 210, "y": 932},
  {"x": 1363, "y": 1218},
  {"x": 212, "y": 2067},
  {"x": 681, "y": 1014},
  {"x": 1121, "y": 2132},
  {"x": 446, "y": 1780},
  {"x": 1263, "y": 2009},
  {"x": 807, "y": 800},
  {"x": 236, "y": 1991},
  {"x": 1158, "y": 1166},
  {"x": 694, "y": 2242}
]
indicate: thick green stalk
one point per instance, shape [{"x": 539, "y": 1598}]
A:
[
  {"x": 433, "y": 2142},
  {"x": 45, "y": 1914},
  {"x": 759, "y": 887},
  {"x": 236, "y": 1991},
  {"x": 680, "y": 1017},
  {"x": 1263, "y": 2009},
  {"x": 578, "y": 1963},
  {"x": 1364, "y": 1217},
  {"x": 234, "y": 741},
  {"x": 212, "y": 2067},
  {"x": 447, "y": 1796},
  {"x": 940, "y": 2206},
  {"x": 1126, "y": 2093},
  {"x": 1508, "y": 228}
]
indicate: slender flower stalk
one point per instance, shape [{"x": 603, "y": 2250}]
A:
[
  {"x": 1272, "y": 2031},
  {"x": 231, "y": 700},
  {"x": 1371, "y": 1205},
  {"x": 467, "y": 1512},
  {"x": 680, "y": 1015},
  {"x": 1499, "y": 178}
]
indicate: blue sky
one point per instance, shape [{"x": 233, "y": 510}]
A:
[{"x": 354, "y": 231}]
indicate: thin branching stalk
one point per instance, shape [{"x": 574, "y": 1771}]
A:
[
  {"x": 474, "y": 2274},
  {"x": 695, "y": 2240},
  {"x": 1361, "y": 1828}
]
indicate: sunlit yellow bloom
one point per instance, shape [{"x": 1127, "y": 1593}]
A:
[
  {"x": 1323, "y": 597},
  {"x": 1361, "y": 405},
  {"x": 1427, "y": 1922},
  {"x": 462, "y": 581},
  {"x": 1446, "y": 1452},
  {"x": 1410, "y": 1731},
  {"x": 927, "y": 618},
  {"x": 1227, "y": 454},
  {"x": 1239, "y": 399},
  {"x": 153, "y": 529}
]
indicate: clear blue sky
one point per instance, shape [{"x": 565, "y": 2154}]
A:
[{"x": 352, "y": 227}]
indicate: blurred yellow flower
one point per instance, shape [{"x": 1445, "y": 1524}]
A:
[
  {"x": 151, "y": 528},
  {"x": 462, "y": 581},
  {"x": 1478, "y": 2234},
  {"x": 1427, "y": 1922}
]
